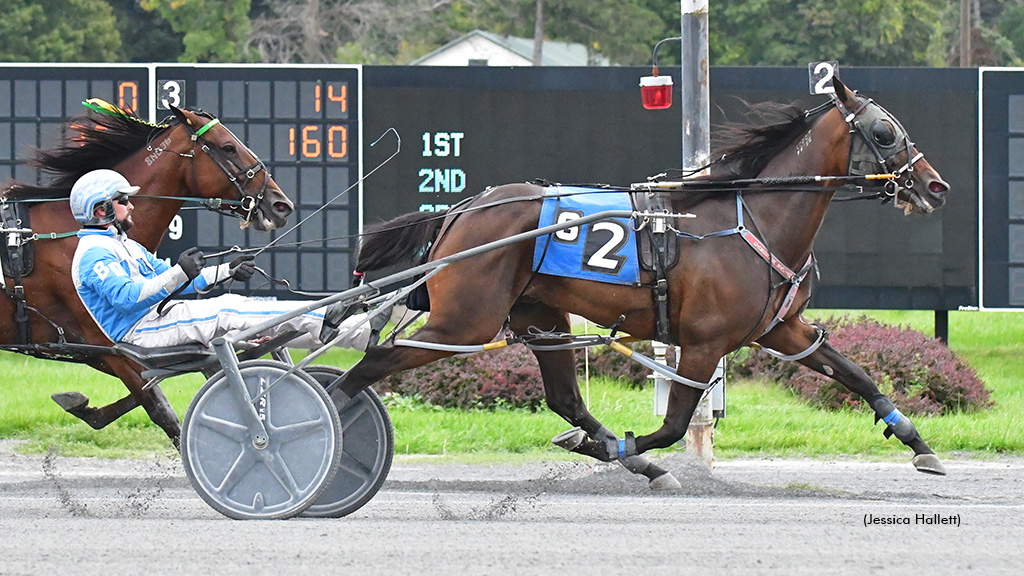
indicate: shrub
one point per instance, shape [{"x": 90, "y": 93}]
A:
[
  {"x": 606, "y": 362},
  {"x": 508, "y": 377},
  {"x": 920, "y": 374}
]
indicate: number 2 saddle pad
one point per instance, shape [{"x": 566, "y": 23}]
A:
[{"x": 604, "y": 251}]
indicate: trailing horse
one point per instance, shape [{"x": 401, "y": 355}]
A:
[
  {"x": 742, "y": 238},
  {"x": 192, "y": 157}
]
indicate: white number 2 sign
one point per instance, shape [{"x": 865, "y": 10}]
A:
[{"x": 821, "y": 74}]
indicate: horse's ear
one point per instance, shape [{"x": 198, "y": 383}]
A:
[
  {"x": 844, "y": 94},
  {"x": 181, "y": 116}
]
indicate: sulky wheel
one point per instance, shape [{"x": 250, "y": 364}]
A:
[
  {"x": 244, "y": 475},
  {"x": 369, "y": 446}
]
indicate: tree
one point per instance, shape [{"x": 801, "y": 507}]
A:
[
  {"x": 145, "y": 36},
  {"x": 361, "y": 31},
  {"x": 855, "y": 32},
  {"x": 214, "y": 30},
  {"x": 58, "y": 31},
  {"x": 624, "y": 31},
  {"x": 1011, "y": 24}
]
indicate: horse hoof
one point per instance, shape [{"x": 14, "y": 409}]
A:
[
  {"x": 665, "y": 482},
  {"x": 570, "y": 439},
  {"x": 929, "y": 464},
  {"x": 71, "y": 401}
]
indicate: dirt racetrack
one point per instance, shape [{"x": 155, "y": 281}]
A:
[{"x": 753, "y": 516}]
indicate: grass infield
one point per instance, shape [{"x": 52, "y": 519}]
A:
[{"x": 762, "y": 419}]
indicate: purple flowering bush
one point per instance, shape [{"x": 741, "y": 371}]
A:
[
  {"x": 920, "y": 374},
  {"x": 508, "y": 377}
]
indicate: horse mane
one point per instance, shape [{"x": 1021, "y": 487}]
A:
[
  {"x": 92, "y": 141},
  {"x": 404, "y": 239},
  {"x": 745, "y": 148}
]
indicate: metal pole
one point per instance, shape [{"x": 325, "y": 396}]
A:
[
  {"x": 696, "y": 104},
  {"x": 942, "y": 326},
  {"x": 696, "y": 101}
]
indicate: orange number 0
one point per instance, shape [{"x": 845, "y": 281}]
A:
[
  {"x": 128, "y": 96},
  {"x": 339, "y": 150}
]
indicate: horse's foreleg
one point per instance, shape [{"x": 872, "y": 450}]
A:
[
  {"x": 826, "y": 360},
  {"x": 697, "y": 365},
  {"x": 795, "y": 337},
  {"x": 590, "y": 437},
  {"x": 562, "y": 394}
]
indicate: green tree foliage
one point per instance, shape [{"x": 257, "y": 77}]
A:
[
  {"x": 58, "y": 31},
  {"x": 1011, "y": 24},
  {"x": 624, "y": 31},
  {"x": 145, "y": 36},
  {"x": 855, "y": 32},
  {"x": 214, "y": 30},
  {"x": 351, "y": 31}
]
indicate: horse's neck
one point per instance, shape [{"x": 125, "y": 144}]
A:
[
  {"x": 791, "y": 220},
  {"x": 164, "y": 175}
]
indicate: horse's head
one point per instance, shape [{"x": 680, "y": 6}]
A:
[
  {"x": 228, "y": 169},
  {"x": 881, "y": 144}
]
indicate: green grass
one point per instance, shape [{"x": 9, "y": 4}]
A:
[{"x": 762, "y": 419}]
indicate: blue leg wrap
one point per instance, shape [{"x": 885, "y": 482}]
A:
[
  {"x": 621, "y": 448},
  {"x": 900, "y": 425}
]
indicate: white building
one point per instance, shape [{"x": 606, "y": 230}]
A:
[{"x": 479, "y": 48}]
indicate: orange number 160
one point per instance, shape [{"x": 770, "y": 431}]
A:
[{"x": 337, "y": 141}]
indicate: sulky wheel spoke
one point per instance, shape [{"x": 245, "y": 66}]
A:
[
  {"x": 348, "y": 417},
  {"x": 275, "y": 463},
  {"x": 291, "y": 432},
  {"x": 239, "y": 468},
  {"x": 232, "y": 430},
  {"x": 354, "y": 467},
  {"x": 354, "y": 411}
]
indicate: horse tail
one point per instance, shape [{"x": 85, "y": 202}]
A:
[{"x": 404, "y": 239}]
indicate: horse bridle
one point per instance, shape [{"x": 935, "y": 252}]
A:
[
  {"x": 878, "y": 143},
  {"x": 238, "y": 176}
]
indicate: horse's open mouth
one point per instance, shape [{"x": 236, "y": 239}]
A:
[
  {"x": 927, "y": 201},
  {"x": 265, "y": 222}
]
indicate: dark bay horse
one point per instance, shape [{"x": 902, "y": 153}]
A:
[
  {"x": 190, "y": 157},
  {"x": 747, "y": 287}
]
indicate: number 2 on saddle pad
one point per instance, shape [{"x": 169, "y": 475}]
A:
[{"x": 604, "y": 251}]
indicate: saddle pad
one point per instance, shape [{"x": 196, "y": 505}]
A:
[{"x": 603, "y": 251}]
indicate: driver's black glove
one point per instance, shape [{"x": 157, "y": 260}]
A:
[
  {"x": 242, "y": 268},
  {"x": 192, "y": 262}
]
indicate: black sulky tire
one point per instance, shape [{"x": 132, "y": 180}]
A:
[
  {"x": 368, "y": 448},
  {"x": 274, "y": 477}
]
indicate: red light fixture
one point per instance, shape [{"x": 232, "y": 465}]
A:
[{"x": 655, "y": 90}]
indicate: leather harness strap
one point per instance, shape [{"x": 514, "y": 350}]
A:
[{"x": 15, "y": 266}]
